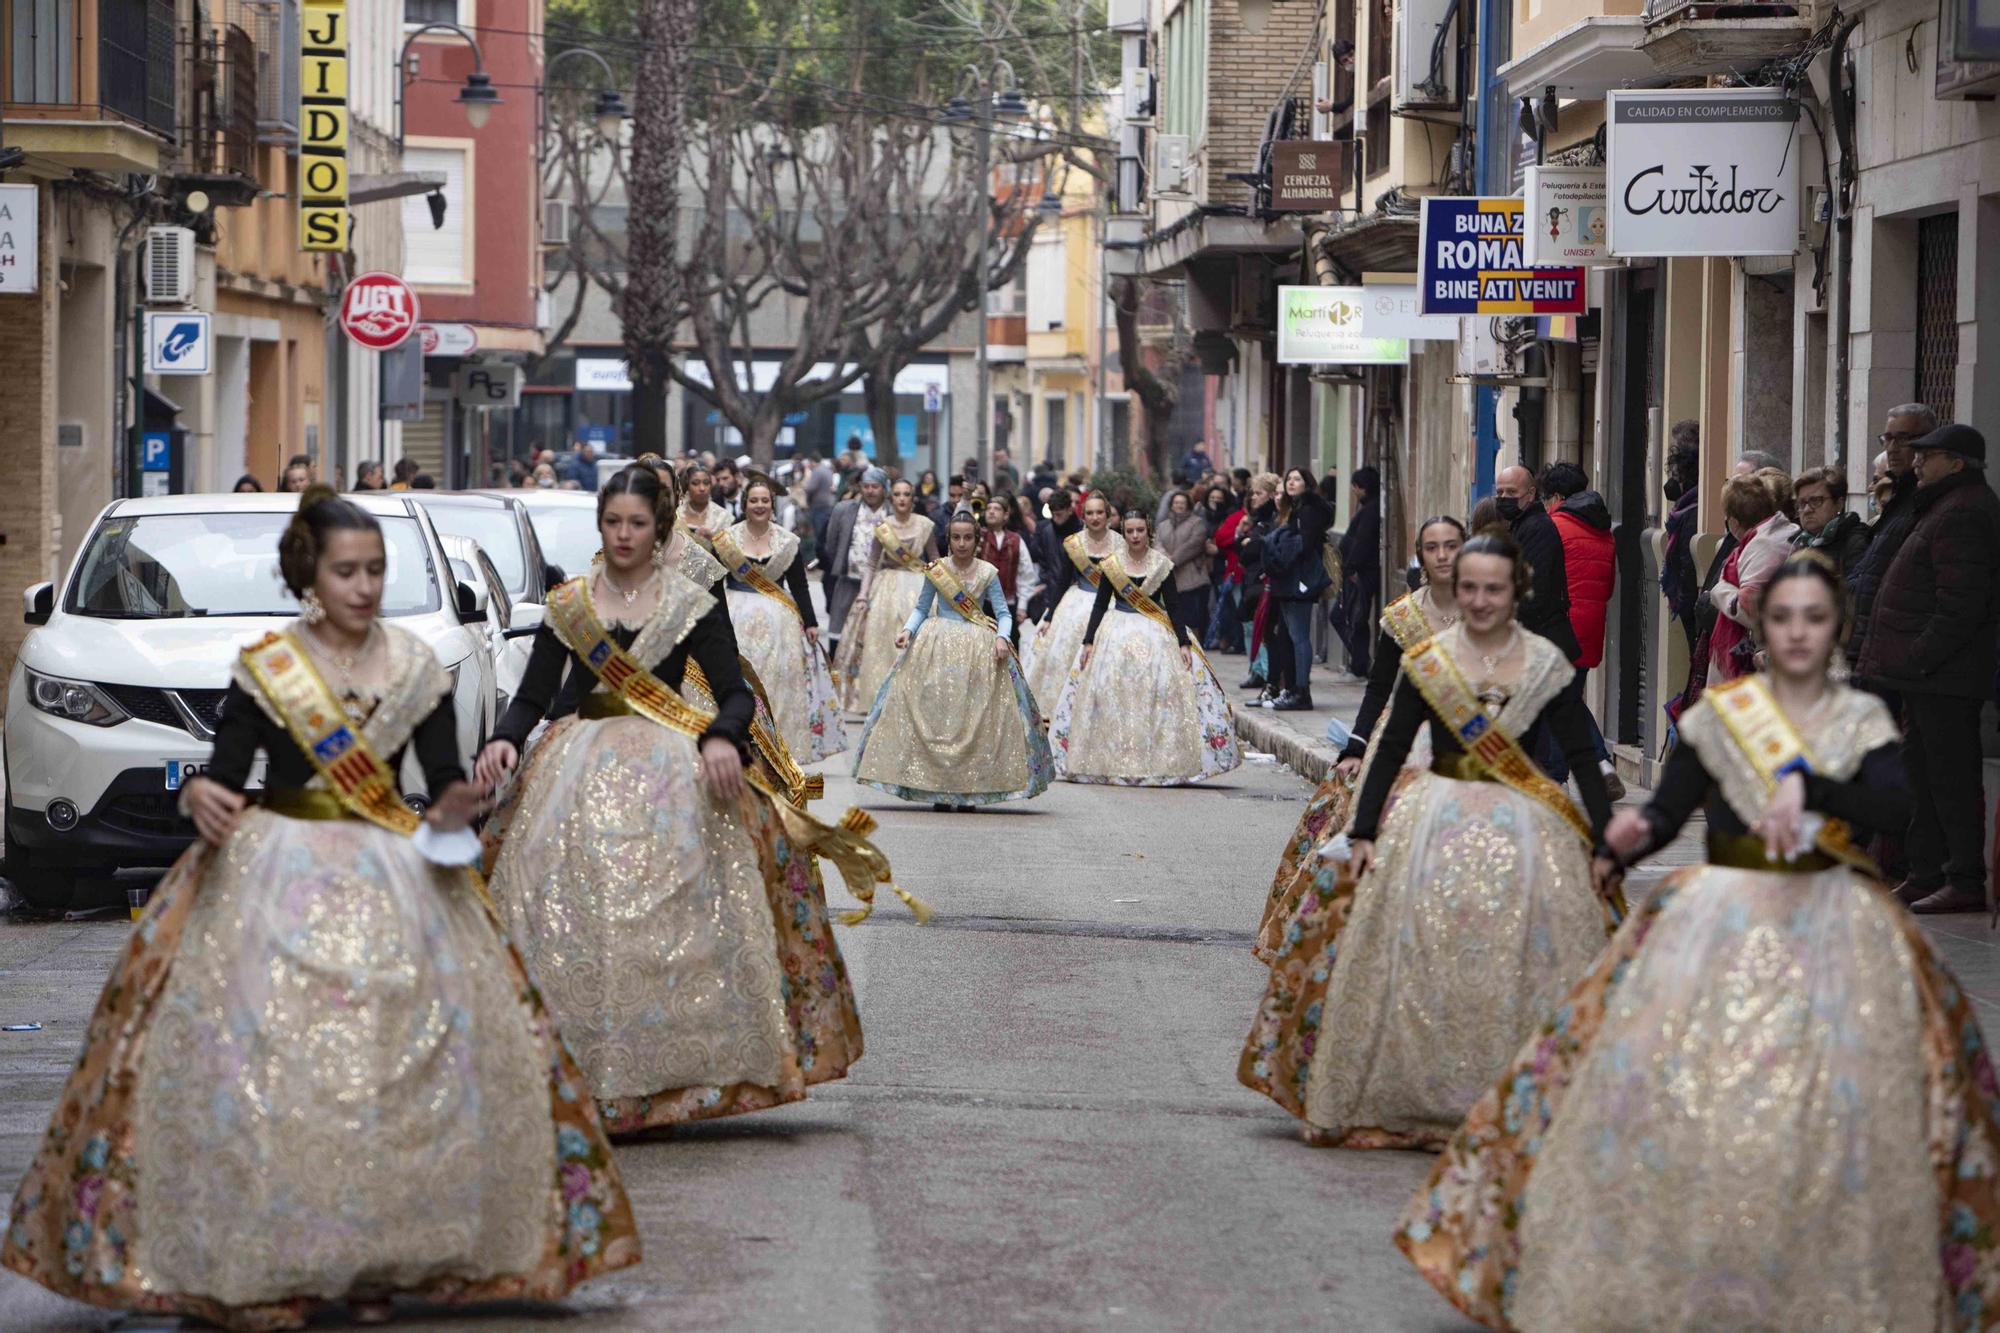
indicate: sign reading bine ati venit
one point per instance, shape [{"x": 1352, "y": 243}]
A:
[
  {"x": 1307, "y": 175},
  {"x": 1470, "y": 262},
  {"x": 1703, "y": 171}
]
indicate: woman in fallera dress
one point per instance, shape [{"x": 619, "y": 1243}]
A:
[
  {"x": 699, "y": 515},
  {"x": 1303, "y": 875},
  {"x": 1072, "y": 587},
  {"x": 1143, "y": 708},
  {"x": 1768, "y": 1105},
  {"x": 1477, "y": 910},
  {"x": 955, "y": 724},
  {"x": 770, "y": 606},
  {"x": 667, "y": 906},
  {"x": 889, "y": 586},
  {"x": 318, "y": 1073}
]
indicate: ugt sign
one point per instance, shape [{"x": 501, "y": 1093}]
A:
[{"x": 1470, "y": 263}]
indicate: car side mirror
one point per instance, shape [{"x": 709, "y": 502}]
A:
[
  {"x": 38, "y": 603},
  {"x": 525, "y": 620},
  {"x": 471, "y": 605},
  {"x": 552, "y": 574}
]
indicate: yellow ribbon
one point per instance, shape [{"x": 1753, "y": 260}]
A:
[{"x": 1768, "y": 740}]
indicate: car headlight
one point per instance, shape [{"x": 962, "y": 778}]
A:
[{"x": 75, "y": 700}]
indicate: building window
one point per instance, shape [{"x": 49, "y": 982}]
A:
[
  {"x": 40, "y": 62},
  {"x": 1937, "y": 314},
  {"x": 417, "y": 12},
  {"x": 1048, "y": 285},
  {"x": 438, "y": 256},
  {"x": 1184, "y": 72},
  {"x": 1378, "y": 138},
  {"x": 1055, "y": 435}
]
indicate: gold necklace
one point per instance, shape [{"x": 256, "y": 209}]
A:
[{"x": 631, "y": 595}]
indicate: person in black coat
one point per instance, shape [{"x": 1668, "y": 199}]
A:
[
  {"x": 1297, "y": 574},
  {"x": 1361, "y": 570}
]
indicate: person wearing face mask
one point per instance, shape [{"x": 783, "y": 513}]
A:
[
  {"x": 955, "y": 724},
  {"x": 1306, "y": 876},
  {"x": 1468, "y": 911},
  {"x": 1769, "y": 1103}
]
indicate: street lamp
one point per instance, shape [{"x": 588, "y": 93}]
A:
[
  {"x": 478, "y": 96},
  {"x": 982, "y": 110},
  {"x": 610, "y": 111}
]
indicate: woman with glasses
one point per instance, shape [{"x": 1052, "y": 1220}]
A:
[{"x": 1826, "y": 524}]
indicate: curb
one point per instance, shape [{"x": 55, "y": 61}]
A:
[{"x": 1311, "y": 759}]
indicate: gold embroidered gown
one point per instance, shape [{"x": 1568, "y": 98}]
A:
[
  {"x": 1305, "y": 880},
  {"x": 1767, "y": 1106},
  {"x": 892, "y": 595},
  {"x": 797, "y": 685},
  {"x": 1137, "y": 715},
  {"x": 951, "y": 724},
  {"x": 1385, "y": 1025},
  {"x": 682, "y": 944},
  {"x": 1049, "y": 653},
  {"x": 710, "y": 521},
  {"x": 318, "y": 1071}
]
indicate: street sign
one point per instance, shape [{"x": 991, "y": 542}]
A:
[
  {"x": 20, "y": 250},
  {"x": 1321, "y": 326},
  {"x": 378, "y": 311},
  {"x": 1391, "y": 310},
  {"x": 324, "y": 220},
  {"x": 448, "y": 339},
  {"x": 933, "y": 398},
  {"x": 487, "y": 384},
  {"x": 178, "y": 342},
  {"x": 1703, "y": 171},
  {"x": 1565, "y": 216},
  {"x": 156, "y": 462},
  {"x": 1470, "y": 263},
  {"x": 1307, "y": 175}
]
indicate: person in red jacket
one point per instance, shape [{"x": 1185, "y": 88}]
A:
[{"x": 1590, "y": 560}]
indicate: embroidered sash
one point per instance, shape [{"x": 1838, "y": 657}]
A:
[
  {"x": 954, "y": 591},
  {"x": 894, "y": 551},
  {"x": 845, "y": 844},
  {"x": 800, "y": 786},
  {"x": 1079, "y": 556},
  {"x": 1486, "y": 742},
  {"x": 365, "y": 786},
  {"x": 1127, "y": 587},
  {"x": 1772, "y": 746},
  {"x": 745, "y": 570},
  {"x": 1406, "y": 622}
]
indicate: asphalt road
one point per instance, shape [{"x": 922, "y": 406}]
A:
[{"x": 1046, "y": 1130}]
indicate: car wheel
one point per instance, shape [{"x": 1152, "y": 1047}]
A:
[{"x": 45, "y": 887}]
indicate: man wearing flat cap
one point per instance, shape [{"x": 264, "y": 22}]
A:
[
  {"x": 1933, "y": 637},
  {"x": 846, "y": 548}
]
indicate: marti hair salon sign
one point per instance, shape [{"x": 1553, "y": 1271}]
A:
[{"x": 1704, "y": 171}]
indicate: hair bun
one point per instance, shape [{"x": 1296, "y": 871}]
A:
[{"x": 316, "y": 493}]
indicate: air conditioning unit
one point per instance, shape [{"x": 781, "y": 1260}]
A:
[
  {"x": 1426, "y": 55},
  {"x": 1125, "y": 15},
  {"x": 1139, "y": 89},
  {"x": 169, "y": 266},
  {"x": 1170, "y": 164},
  {"x": 555, "y": 222}
]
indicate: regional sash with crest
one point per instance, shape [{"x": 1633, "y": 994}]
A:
[
  {"x": 365, "y": 786},
  {"x": 1127, "y": 587},
  {"x": 845, "y": 844},
  {"x": 894, "y": 551},
  {"x": 1079, "y": 555},
  {"x": 1405, "y": 622},
  {"x": 1772, "y": 747},
  {"x": 747, "y": 571},
  {"x": 1487, "y": 744},
  {"x": 962, "y": 601}
]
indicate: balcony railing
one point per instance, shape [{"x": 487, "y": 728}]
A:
[
  {"x": 130, "y": 76},
  {"x": 220, "y": 69}
]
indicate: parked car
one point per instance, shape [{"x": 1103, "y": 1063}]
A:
[
  {"x": 471, "y": 566},
  {"x": 565, "y": 524},
  {"x": 115, "y": 696},
  {"x": 499, "y": 524}
]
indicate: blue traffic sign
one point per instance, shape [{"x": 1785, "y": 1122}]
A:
[{"x": 156, "y": 451}]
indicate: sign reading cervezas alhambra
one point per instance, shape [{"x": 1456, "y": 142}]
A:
[{"x": 1307, "y": 175}]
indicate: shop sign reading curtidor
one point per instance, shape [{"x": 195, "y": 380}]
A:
[
  {"x": 1703, "y": 171},
  {"x": 324, "y": 220}
]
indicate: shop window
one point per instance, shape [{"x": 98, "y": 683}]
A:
[{"x": 1937, "y": 313}]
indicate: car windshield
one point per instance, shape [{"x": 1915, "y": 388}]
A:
[
  {"x": 173, "y": 566},
  {"x": 568, "y": 535},
  {"x": 494, "y": 529}
]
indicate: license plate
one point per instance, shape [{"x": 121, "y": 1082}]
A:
[{"x": 180, "y": 770}]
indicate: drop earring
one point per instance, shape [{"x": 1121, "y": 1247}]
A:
[{"x": 310, "y": 609}]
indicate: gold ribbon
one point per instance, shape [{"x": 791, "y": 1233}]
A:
[
  {"x": 1772, "y": 745},
  {"x": 800, "y": 785},
  {"x": 955, "y": 592},
  {"x": 1486, "y": 742},
  {"x": 1123, "y": 584},
  {"x": 894, "y": 551},
  {"x": 745, "y": 570},
  {"x": 1079, "y": 555},
  {"x": 1406, "y": 622},
  {"x": 846, "y": 844}
]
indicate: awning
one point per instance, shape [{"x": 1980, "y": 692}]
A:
[
  {"x": 1217, "y": 236},
  {"x": 1384, "y": 243}
]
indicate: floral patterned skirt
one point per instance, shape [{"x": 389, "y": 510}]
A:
[
  {"x": 318, "y": 1072},
  {"x": 683, "y": 945},
  {"x": 1395, "y": 1001},
  {"x": 794, "y": 675},
  {"x": 1138, "y": 716},
  {"x": 1767, "y": 1106}
]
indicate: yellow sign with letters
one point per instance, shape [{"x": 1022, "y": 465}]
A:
[{"x": 324, "y": 220}]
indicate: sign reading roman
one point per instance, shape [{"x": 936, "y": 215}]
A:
[
  {"x": 1703, "y": 171},
  {"x": 1566, "y": 223},
  {"x": 1321, "y": 326},
  {"x": 1307, "y": 175},
  {"x": 324, "y": 220},
  {"x": 1470, "y": 262}
]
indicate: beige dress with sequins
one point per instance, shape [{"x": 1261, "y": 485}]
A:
[
  {"x": 892, "y": 595},
  {"x": 1476, "y": 918}
]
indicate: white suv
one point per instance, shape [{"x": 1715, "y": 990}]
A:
[{"x": 114, "y": 699}]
